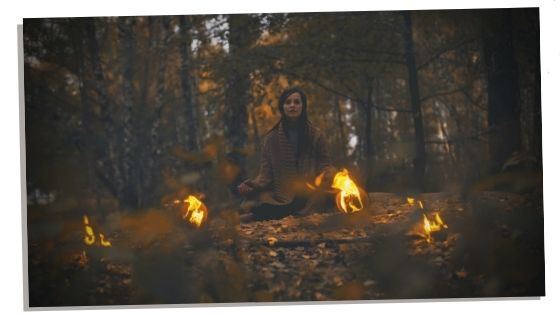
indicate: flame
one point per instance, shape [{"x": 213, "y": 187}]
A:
[
  {"x": 89, "y": 238},
  {"x": 410, "y": 201},
  {"x": 102, "y": 240},
  {"x": 319, "y": 179},
  {"x": 439, "y": 221},
  {"x": 196, "y": 211},
  {"x": 317, "y": 182},
  {"x": 433, "y": 226},
  {"x": 348, "y": 199},
  {"x": 310, "y": 186}
]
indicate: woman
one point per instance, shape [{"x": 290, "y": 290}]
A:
[{"x": 294, "y": 153}]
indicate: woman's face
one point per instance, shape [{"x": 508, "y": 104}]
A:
[{"x": 293, "y": 106}]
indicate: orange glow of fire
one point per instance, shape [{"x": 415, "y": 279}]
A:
[
  {"x": 433, "y": 226},
  {"x": 196, "y": 212},
  {"x": 348, "y": 199}
]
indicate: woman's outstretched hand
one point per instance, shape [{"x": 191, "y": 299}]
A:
[{"x": 244, "y": 188}]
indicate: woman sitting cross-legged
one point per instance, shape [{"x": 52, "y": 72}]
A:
[{"x": 294, "y": 153}]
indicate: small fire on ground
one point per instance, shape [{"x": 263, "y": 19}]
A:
[
  {"x": 428, "y": 227},
  {"x": 348, "y": 198},
  {"x": 89, "y": 237},
  {"x": 433, "y": 226},
  {"x": 195, "y": 211}
]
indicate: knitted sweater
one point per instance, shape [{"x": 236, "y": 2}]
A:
[{"x": 282, "y": 175}]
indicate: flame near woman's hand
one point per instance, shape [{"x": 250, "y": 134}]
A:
[{"x": 348, "y": 199}]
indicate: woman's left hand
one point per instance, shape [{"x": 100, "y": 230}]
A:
[{"x": 244, "y": 188}]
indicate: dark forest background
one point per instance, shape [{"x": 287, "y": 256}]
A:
[{"x": 125, "y": 113}]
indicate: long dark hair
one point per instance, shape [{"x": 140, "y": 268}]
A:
[{"x": 302, "y": 124}]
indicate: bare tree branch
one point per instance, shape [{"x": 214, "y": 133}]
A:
[{"x": 443, "y": 51}]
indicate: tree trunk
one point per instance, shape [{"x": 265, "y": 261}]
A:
[
  {"x": 367, "y": 135},
  {"x": 154, "y": 165},
  {"x": 537, "y": 118},
  {"x": 420, "y": 158},
  {"x": 237, "y": 92},
  {"x": 189, "y": 110},
  {"x": 343, "y": 140},
  {"x": 537, "y": 138},
  {"x": 86, "y": 134},
  {"x": 503, "y": 87},
  {"x": 110, "y": 173},
  {"x": 132, "y": 196}
]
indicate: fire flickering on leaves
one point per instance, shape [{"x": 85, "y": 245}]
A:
[
  {"x": 89, "y": 237},
  {"x": 348, "y": 199},
  {"x": 428, "y": 226},
  {"x": 433, "y": 226},
  {"x": 196, "y": 212},
  {"x": 411, "y": 202}
]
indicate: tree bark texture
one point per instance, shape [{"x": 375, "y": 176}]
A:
[
  {"x": 503, "y": 87},
  {"x": 420, "y": 158},
  {"x": 110, "y": 170},
  {"x": 237, "y": 90},
  {"x": 189, "y": 109},
  {"x": 132, "y": 196}
]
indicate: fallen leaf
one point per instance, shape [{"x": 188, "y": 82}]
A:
[
  {"x": 272, "y": 240},
  {"x": 278, "y": 265},
  {"x": 320, "y": 296},
  {"x": 338, "y": 281}
]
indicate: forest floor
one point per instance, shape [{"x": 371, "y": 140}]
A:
[{"x": 492, "y": 247}]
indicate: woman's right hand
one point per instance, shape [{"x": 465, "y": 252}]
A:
[{"x": 244, "y": 188}]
